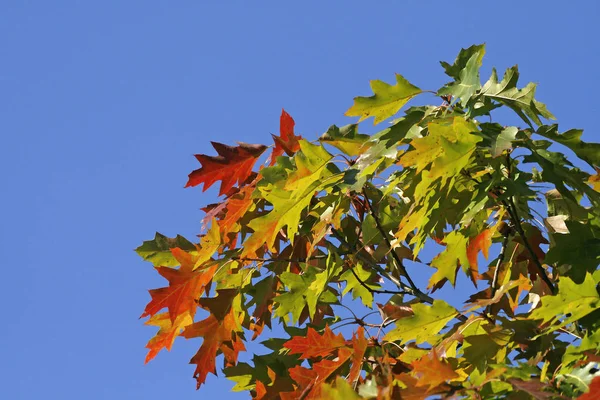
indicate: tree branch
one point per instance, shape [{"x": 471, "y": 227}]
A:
[
  {"x": 397, "y": 259},
  {"x": 497, "y": 270},
  {"x": 424, "y": 298},
  {"x": 512, "y": 210}
]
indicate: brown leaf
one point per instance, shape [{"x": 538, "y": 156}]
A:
[
  {"x": 394, "y": 311},
  {"x": 533, "y": 387}
]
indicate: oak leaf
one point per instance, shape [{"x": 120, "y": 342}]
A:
[
  {"x": 427, "y": 322},
  {"x": 232, "y": 165},
  {"x": 287, "y": 141},
  {"x": 386, "y": 100},
  {"x": 186, "y": 284},
  {"x": 218, "y": 335},
  {"x": 309, "y": 380},
  {"x": 167, "y": 333},
  {"x": 314, "y": 344},
  {"x": 359, "y": 347},
  {"x": 431, "y": 371}
]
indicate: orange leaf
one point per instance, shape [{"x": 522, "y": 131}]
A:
[
  {"x": 594, "y": 180},
  {"x": 432, "y": 371},
  {"x": 309, "y": 380},
  {"x": 232, "y": 165},
  {"x": 315, "y": 345},
  {"x": 167, "y": 333},
  {"x": 482, "y": 242},
  {"x": 359, "y": 346},
  {"x": 185, "y": 286},
  {"x": 236, "y": 208},
  {"x": 413, "y": 391},
  {"x": 218, "y": 335},
  {"x": 286, "y": 141}
]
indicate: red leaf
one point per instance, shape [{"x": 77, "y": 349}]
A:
[
  {"x": 185, "y": 286},
  {"x": 315, "y": 345},
  {"x": 286, "y": 141},
  {"x": 232, "y": 165},
  {"x": 593, "y": 392}
]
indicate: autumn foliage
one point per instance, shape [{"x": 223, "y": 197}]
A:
[{"x": 340, "y": 255}]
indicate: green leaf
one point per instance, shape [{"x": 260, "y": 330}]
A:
[
  {"x": 368, "y": 389},
  {"x": 347, "y": 139},
  {"x": 570, "y": 207},
  {"x": 425, "y": 325},
  {"x": 484, "y": 349},
  {"x": 448, "y": 147},
  {"x": 447, "y": 261},
  {"x": 575, "y": 353},
  {"x": 293, "y": 300},
  {"x": 385, "y": 102},
  {"x": 243, "y": 376},
  {"x": 370, "y": 231},
  {"x": 158, "y": 250},
  {"x": 354, "y": 285},
  {"x": 503, "y": 141},
  {"x": 290, "y": 197},
  {"x": 465, "y": 71},
  {"x": 580, "y": 248},
  {"x": 558, "y": 170},
  {"x": 572, "y": 302},
  {"x": 303, "y": 290},
  {"x": 589, "y": 152},
  {"x": 333, "y": 267},
  {"x": 522, "y": 101},
  {"x": 341, "y": 391}
]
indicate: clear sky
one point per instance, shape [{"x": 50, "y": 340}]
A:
[{"x": 103, "y": 104}]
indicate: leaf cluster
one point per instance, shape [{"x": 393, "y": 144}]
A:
[{"x": 313, "y": 253}]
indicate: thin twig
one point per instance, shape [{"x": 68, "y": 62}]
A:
[
  {"x": 378, "y": 291},
  {"x": 512, "y": 209},
  {"x": 398, "y": 261},
  {"x": 317, "y": 257},
  {"x": 349, "y": 309},
  {"x": 401, "y": 285},
  {"x": 497, "y": 270}
]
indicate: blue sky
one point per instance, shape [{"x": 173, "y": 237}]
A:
[{"x": 103, "y": 105}]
